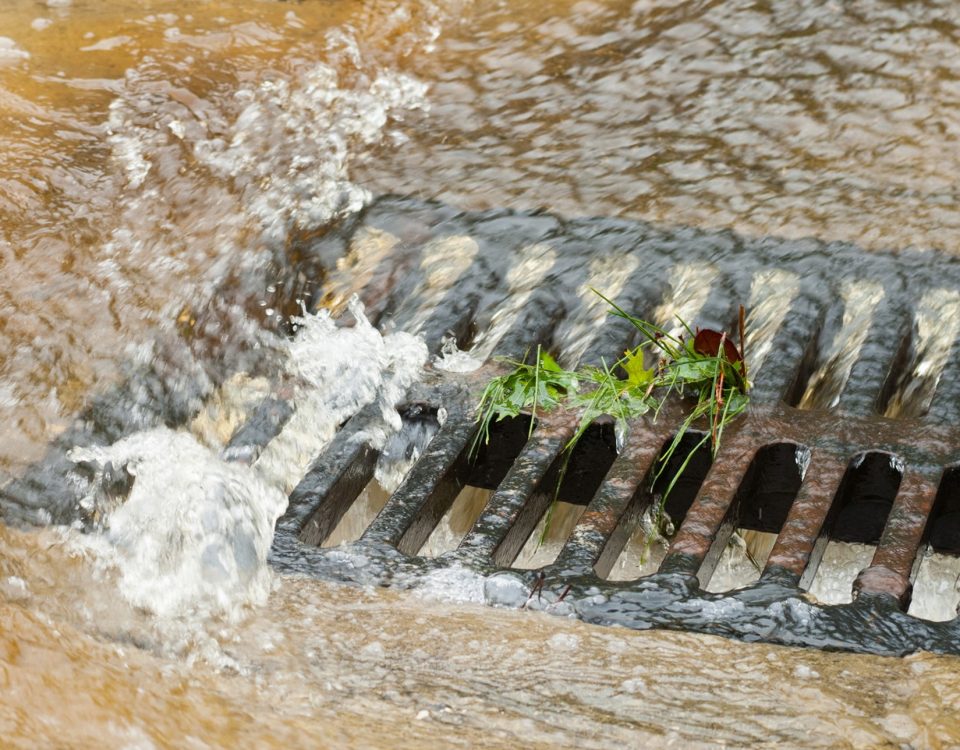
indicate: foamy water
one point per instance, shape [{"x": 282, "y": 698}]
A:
[
  {"x": 162, "y": 169},
  {"x": 193, "y": 534},
  {"x": 191, "y": 531}
]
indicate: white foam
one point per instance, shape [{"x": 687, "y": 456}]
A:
[
  {"x": 285, "y": 183},
  {"x": 454, "y": 584},
  {"x": 453, "y": 359},
  {"x": 339, "y": 370},
  {"x": 263, "y": 164},
  {"x": 10, "y": 52},
  {"x": 194, "y": 532}
]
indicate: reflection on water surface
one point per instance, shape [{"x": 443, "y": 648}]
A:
[{"x": 156, "y": 160}]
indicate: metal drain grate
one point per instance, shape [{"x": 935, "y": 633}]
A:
[
  {"x": 852, "y": 433},
  {"x": 837, "y": 339}
]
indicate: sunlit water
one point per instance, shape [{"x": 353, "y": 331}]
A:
[{"x": 158, "y": 163}]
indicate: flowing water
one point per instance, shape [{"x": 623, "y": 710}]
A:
[{"x": 159, "y": 164}]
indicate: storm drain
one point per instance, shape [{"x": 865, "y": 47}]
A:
[{"x": 851, "y": 434}]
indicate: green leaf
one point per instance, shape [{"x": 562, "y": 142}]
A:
[
  {"x": 549, "y": 363},
  {"x": 638, "y": 376}
]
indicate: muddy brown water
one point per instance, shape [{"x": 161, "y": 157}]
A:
[{"x": 156, "y": 158}]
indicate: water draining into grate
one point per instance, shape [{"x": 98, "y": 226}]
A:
[
  {"x": 848, "y": 448},
  {"x": 848, "y": 453}
]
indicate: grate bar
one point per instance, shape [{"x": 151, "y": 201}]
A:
[
  {"x": 801, "y": 542},
  {"x": 772, "y": 379},
  {"x": 330, "y": 488},
  {"x": 872, "y": 368},
  {"x": 896, "y": 560},
  {"x": 521, "y": 499},
  {"x": 331, "y": 484},
  {"x": 414, "y": 510},
  {"x": 611, "y": 517},
  {"x": 266, "y": 422},
  {"x": 945, "y": 406},
  {"x": 707, "y": 527}
]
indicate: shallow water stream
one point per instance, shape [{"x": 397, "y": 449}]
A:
[{"x": 158, "y": 165}]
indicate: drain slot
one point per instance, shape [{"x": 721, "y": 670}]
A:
[
  {"x": 771, "y": 483},
  {"x": 945, "y": 526},
  {"x": 589, "y": 462},
  {"x": 520, "y": 499},
  {"x": 760, "y": 508},
  {"x": 493, "y": 458},
  {"x": 429, "y": 488},
  {"x": 483, "y": 468},
  {"x": 689, "y": 480},
  {"x": 358, "y": 516},
  {"x": 866, "y": 498},
  {"x": 854, "y": 525},
  {"x": 638, "y": 554},
  {"x": 338, "y": 496}
]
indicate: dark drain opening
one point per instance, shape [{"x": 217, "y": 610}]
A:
[
  {"x": 468, "y": 335},
  {"x": 358, "y": 515},
  {"x": 531, "y": 484},
  {"x": 630, "y": 553},
  {"x": 760, "y": 508},
  {"x": 588, "y": 464},
  {"x": 945, "y": 526},
  {"x": 490, "y": 462},
  {"x": 447, "y": 518},
  {"x": 688, "y": 482},
  {"x": 853, "y": 525},
  {"x": 456, "y": 521},
  {"x": 898, "y": 381},
  {"x": 805, "y": 370},
  {"x": 771, "y": 485},
  {"x": 866, "y": 496},
  {"x": 585, "y": 470}
]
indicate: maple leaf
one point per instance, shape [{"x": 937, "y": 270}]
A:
[{"x": 638, "y": 376}]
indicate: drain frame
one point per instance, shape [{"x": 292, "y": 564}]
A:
[{"x": 776, "y": 607}]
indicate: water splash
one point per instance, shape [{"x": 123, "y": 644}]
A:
[
  {"x": 289, "y": 187},
  {"x": 337, "y": 371},
  {"x": 454, "y": 359},
  {"x": 403, "y": 448},
  {"x": 194, "y": 531},
  {"x": 188, "y": 530},
  {"x": 196, "y": 196}
]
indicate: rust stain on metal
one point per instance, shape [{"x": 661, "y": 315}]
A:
[
  {"x": 893, "y": 567},
  {"x": 805, "y": 522},
  {"x": 700, "y": 528}
]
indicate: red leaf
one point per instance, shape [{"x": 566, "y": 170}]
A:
[{"x": 707, "y": 342}]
